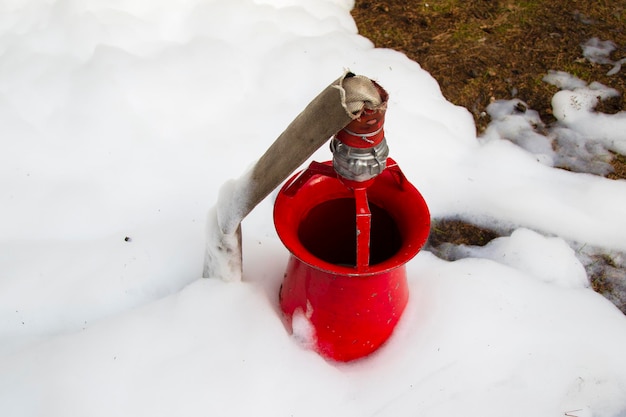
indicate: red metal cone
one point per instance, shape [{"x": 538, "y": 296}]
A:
[{"x": 352, "y": 308}]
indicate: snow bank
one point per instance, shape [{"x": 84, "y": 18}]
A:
[{"x": 122, "y": 120}]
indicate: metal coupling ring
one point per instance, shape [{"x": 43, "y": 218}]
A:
[{"x": 359, "y": 164}]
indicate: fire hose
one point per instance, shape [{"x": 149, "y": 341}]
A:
[{"x": 343, "y": 101}]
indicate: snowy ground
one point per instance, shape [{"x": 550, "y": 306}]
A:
[{"x": 119, "y": 122}]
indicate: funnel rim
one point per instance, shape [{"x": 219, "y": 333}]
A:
[{"x": 289, "y": 214}]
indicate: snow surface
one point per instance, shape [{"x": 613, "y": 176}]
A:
[
  {"x": 599, "y": 52},
  {"x": 121, "y": 120}
]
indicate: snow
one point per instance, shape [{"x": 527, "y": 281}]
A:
[
  {"x": 302, "y": 329},
  {"x": 584, "y": 139},
  {"x": 120, "y": 121},
  {"x": 574, "y": 109},
  {"x": 599, "y": 52}
]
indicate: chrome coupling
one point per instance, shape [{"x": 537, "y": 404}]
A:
[{"x": 359, "y": 164}]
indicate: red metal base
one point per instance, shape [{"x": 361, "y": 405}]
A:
[
  {"x": 352, "y": 305},
  {"x": 352, "y": 316}
]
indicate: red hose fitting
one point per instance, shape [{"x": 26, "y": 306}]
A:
[
  {"x": 366, "y": 131},
  {"x": 360, "y": 150}
]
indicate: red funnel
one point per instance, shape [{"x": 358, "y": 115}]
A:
[{"x": 351, "y": 306}]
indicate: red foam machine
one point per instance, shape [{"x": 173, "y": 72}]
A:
[{"x": 351, "y": 225}]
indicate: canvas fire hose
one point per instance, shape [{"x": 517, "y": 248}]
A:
[{"x": 337, "y": 105}]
